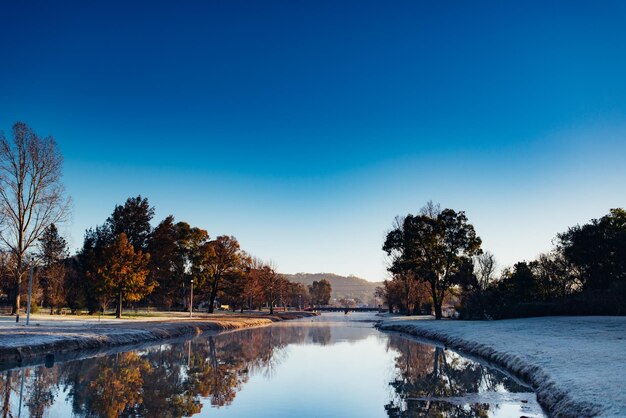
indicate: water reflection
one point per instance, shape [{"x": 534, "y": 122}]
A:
[
  {"x": 209, "y": 372},
  {"x": 433, "y": 382}
]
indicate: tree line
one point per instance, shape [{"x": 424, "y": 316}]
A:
[
  {"x": 125, "y": 260},
  {"x": 435, "y": 257}
]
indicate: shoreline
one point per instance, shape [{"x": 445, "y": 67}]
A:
[
  {"x": 20, "y": 344},
  {"x": 560, "y": 394}
]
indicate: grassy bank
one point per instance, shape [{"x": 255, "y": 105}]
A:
[
  {"x": 573, "y": 363},
  {"x": 52, "y": 336}
]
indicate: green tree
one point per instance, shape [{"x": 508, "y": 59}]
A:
[
  {"x": 522, "y": 282},
  {"x": 555, "y": 276},
  {"x": 52, "y": 253},
  {"x": 435, "y": 247},
  {"x": 76, "y": 288},
  {"x": 132, "y": 219},
  {"x": 176, "y": 250},
  {"x": 123, "y": 272},
  {"x": 89, "y": 292},
  {"x": 320, "y": 292},
  {"x": 298, "y": 295},
  {"x": 163, "y": 250},
  {"x": 597, "y": 250},
  {"x": 193, "y": 258}
]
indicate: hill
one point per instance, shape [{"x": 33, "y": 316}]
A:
[{"x": 349, "y": 287}]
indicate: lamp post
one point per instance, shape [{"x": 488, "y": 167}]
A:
[
  {"x": 30, "y": 290},
  {"x": 191, "y": 301}
]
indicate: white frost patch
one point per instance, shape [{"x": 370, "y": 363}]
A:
[{"x": 573, "y": 363}]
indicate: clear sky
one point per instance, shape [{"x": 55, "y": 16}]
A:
[{"x": 304, "y": 127}]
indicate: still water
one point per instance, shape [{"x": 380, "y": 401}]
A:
[{"x": 330, "y": 366}]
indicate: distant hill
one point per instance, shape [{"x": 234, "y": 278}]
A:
[{"x": 349, "y": 287}]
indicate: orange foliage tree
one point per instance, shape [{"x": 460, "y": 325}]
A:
[{"x": 123, "y": 272}]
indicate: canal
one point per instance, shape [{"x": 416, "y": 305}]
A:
[{"x": 334, "y": 365}]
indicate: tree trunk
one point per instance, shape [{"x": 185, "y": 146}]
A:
[
  {"x": 438, "y": 314},
  {"x": 213, "y": 294},
  {"x": 15, "y": 309},
  {"x": 18, "y": 285},
  {"x": 118, "y": 313},
  {"x": 6, "y": 408},
  {"x": 437, "y": 301}
]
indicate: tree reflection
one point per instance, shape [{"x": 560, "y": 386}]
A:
[
  {"x": 42, "y": 390},
  {"x": 7, "y": 384},
  {"x": 425, "y": 374},
  {"x": 167, "y": 380}
]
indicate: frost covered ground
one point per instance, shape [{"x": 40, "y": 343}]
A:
[
  {"x": 575, "y": 364},
  {"x": 53, "y": 335}
]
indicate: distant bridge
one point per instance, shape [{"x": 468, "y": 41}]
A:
[{"x": 336, "y": 309}]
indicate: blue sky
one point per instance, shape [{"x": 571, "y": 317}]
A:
[{"x": 303, "y": 128}]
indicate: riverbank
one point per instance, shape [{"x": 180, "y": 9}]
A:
[
  {"x": 573, "y": 363},
  {"x": 46, "y": 335}
]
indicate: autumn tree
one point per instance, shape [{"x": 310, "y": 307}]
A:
[
  {"x": 224, "y": 257},
  {"x": 436, "y": 249},
  {"x": 274, "y": 285},
  {"x": 236, "y": 283},
  {"x": 320, "y": 292},
  {"x": 52, "y": 254},
  {"x": 390, "y": 294},
  {"x": 122, "y": 272},
  {"x": 32, "y": 196},
  {"x": 118, "y": 385},
  {"x": 253, "y": 286}
]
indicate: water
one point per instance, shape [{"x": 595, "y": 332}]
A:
[{"x": 330, "y": 366}]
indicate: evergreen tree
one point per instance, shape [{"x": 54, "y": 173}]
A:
[{"x": 53, "y": 252}]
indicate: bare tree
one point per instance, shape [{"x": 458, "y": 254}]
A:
[
  {"x": 485, "y": 269},
  {"x": 430, "y": 209},
  {"x": 32, "y": 196}
]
